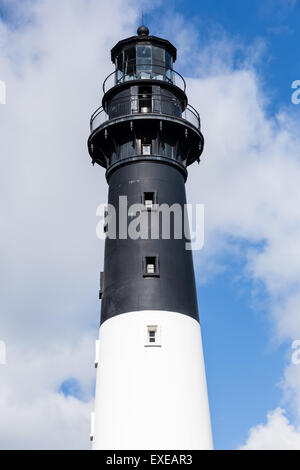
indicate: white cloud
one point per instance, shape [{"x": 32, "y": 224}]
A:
[
  {"x": 276, "y": 434},
  {"x": 35, "y": 414},
  {"x": 53, "y": 66}
]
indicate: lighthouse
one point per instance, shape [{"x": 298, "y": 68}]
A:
[{"x": 151, "y": 388}]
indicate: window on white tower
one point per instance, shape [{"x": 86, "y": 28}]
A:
[{"x": 153, "y": 336}]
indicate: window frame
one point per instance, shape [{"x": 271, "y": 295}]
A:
[
  {"x": 152, "y": 344},
  {"x": 154, "y": 201},
  {"x": 146, "y": 263}
]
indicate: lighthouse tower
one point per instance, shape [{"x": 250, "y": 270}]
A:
[{"x": 151, "y": 388}]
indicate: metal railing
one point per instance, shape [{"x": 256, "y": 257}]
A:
[
  {"x": 145, "y": 104},
  {"x": 144, "y": 71},
  {"x": 98, "y": 118}
]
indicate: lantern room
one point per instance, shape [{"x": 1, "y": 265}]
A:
[{"x": 143, "y": 57}]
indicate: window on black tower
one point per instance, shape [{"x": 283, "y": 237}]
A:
[
  {"x": 151, "y": 266},
  {"x": 149, "y": 200},
  {"x": 145, "y": 99},
  {"x": 146, "y": 146},
  {"x": 145, "y": 141}
]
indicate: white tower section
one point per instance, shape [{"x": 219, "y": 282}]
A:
[{"x": 151, "y": 385}]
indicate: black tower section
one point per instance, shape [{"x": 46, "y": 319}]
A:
[{"x": 145, "y": 134}]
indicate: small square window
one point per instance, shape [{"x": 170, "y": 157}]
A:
[
  {"x": 146, "y": 149},
  {"x": 152, "y": 336},
  {"x": 151, "y": 266},
  {"x": 148, "y": 204},
  {"x": 152, "y": 333},
  {"x": 149, "y": 201}
]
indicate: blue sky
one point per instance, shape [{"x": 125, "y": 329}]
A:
[
  {"x": 240, "y": 59},
  {"x": 242, "y": 369}
]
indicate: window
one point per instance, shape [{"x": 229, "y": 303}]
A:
[
  {"x": 146, "y": 149},
  {"x": 169, "y": 66},
  {"x": 144, "y": 54},
  {"x": 129, "y": 59},
  {"x": 119, "y": 65},
  {"x": 158, "y": 55},
  {"x": 146, "y": 146},
  {"x": 145, "y": 99},
  {"x": 144, "y": 61},
  {"x": 158, "y": 59},
  {"x": 149, "y": 199},
  {"x": 151, "y": 266},
  {"x": 152, "y": 336}
]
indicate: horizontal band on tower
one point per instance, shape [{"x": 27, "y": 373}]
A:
[{"x": 148, "y": 158}]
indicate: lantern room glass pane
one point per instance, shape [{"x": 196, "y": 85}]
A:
[
  {"x": 158, "y": 60},
  {"x": 129, "y": 63},
  {"x": 144, "y": 52},
  {"x": 119, "y": 66},
  {"x": 158, "y": 55},
  {"x": 168, "y": 60},
  {"x": 169, "y": 65},
  {"x": 144, "y": 59}
]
